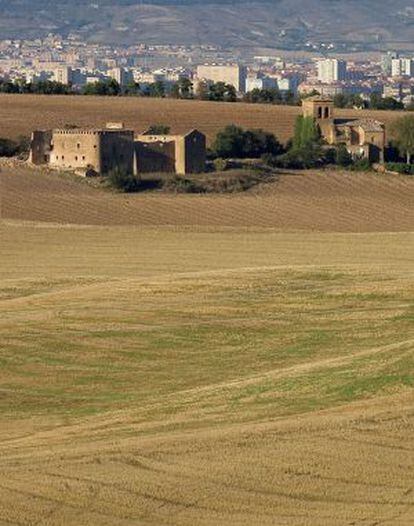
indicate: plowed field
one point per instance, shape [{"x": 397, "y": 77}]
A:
[{"x": 19, "y": 115}]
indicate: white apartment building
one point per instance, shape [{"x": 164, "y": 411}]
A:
[
  {"x": 64, "y": 75},
  {"x": 331, "y": 70},
  {"x": 260, "y": 83},
  {"x": 121, "y": 75},
  {"x": 402, "y": 67}
]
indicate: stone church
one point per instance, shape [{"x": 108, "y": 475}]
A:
[{"x": 363, "y": 138}]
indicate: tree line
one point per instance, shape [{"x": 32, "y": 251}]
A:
[{"x": 184, "y": 89}]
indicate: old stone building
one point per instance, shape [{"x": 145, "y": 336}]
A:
[
  {"x": 98, "y": 150},
  {"x": 103, "y": 150},
  {"x": 180, "y": 154},
  {"x": 363, "y": 138}
]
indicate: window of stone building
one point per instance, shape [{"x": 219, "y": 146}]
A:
[
  {"x": 83, "y": 157},
  {"x": 319, "y": 113},
  {"x": 326, "y": 113},
  {"x": 78, "y": 145},
  {"x": 76, "y": 157}
]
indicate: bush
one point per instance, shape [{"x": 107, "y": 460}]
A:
[
  {"x": 402, "y": 168},
  {"x": 182, "y": 185},
  {"x": 270, "y": 160},
  {"x": 236, "y": 181},
  {"x": 301, "y": 158},
  {"x": 8, "y": 148},
  {"x": 342, "y": 156},
  {"x": 361, "y": 165},
  {"x": 220, "y": 165},
  {"x": 124, "y": 181},
  {"x": 158, "y": 129}
]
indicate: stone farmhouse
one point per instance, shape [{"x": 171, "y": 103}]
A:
[
  {"x": 181, "y": 154},
  {"x": 363, "y": 138},
  {"x": 99, "y": 151}
]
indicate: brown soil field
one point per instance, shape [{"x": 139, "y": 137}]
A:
[
  {"x": 21, "y": 114},
  {"x": 323, "y": 201}
]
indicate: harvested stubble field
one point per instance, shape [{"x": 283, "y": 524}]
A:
[
  {"x": 207, "y": 360},
  {"x": 19, "y": 115},
  {"x": 205, "y": 376}
]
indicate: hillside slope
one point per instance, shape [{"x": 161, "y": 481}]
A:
[
  {"x": 322, "y": 201},
  {"x": 272, "y": 23}
]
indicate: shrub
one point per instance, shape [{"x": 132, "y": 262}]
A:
[
  {"x": 220, "y": 165},
  {"x": 8, "y": 148},
  {"x": 123, "y": 181},
  {"x": 183, "y": 185},
  {"x": 402, "y": 168},
  {"x": 342, "y": 156},
  {"x": 270, "y": 160},
  {"x": 361, "y": 165},
  {"x": 301, "y": 158},
  {"x": 158, "y": 129},
  {"x": 236, "y": 181}
]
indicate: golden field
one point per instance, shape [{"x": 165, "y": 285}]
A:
[{"x": 207, "y": 359}]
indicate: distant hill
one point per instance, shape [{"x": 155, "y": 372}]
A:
[{"x": 290, "y": 24}]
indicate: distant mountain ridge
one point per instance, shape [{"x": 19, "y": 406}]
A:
[{"x": 290, "y": 24}]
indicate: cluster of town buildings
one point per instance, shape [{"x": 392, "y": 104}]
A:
[
  {"x": 392, "y": 76},
  {"x": 76, "y": 63}
]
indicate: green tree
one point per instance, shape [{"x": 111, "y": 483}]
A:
[
  {"x": 202, "y": 91},
  {"x": 175, "y": 91},
  {"x": 157, "y": 89},
  {"x": 258, "y": 142},
  {"x": 233, "y": 141},
  {"x": 306, "y": 133},
  {"x": 387, "y": 103},
  {"x": 158, "y": 129},
  {"x": 403, "y": 129},
  {"x": 185, "y": 88},
  {"x": 108, "y": 87},
  {"x": 229, "y": 142},
  {"x": 230, "y": 94},
  {"x": 217, "y": 91},
  {"x": 264, "y": 96},
  {"x": 132, "y": 88},
  {"x": 340, "y": 100},
  {"x": 342, "y": 156}
]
